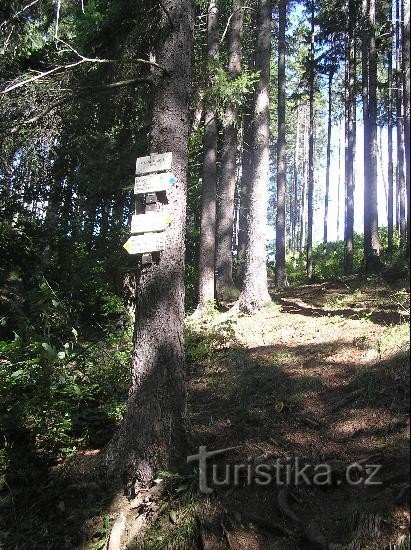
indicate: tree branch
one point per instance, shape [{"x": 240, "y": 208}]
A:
[
  {"x": 82, "y": 91},
  {"x": 20, "y": 11},
  {"x": 229, "y": 21},
  {"x": 82, "y": 59}
]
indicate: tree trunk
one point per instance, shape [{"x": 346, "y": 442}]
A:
[
  {"x": 310, "y": 199},
  {"x": 390, "y": 184},
  {"x": 226, "y": 189},
  {"x": 371, "y": 237},
  {"x": 303, "y": 212},
  {"x": 406, "y": 97},
  {"x": 400, "y": 129},
  {"x": 152, "y": 435},
  {"x": 339, "y": 182},
  {"x": 254, "y": 293},
  {"x": 294, "y": 208},
  {"x": 280, "y": 269},
  {"x": 243, "y": 209},
  {"x": 350, "y": 143},
  {"x": 327, "y": 173},
  {"x": 208, "y": 196}
]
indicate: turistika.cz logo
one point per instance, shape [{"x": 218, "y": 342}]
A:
[{"x": 279, "y": 473}]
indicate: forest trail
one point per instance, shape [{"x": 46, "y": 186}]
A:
[{"x": 321, "y": 374}]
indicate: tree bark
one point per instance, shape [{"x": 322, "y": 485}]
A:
[
  {"x": 310, "y": 191},
  {"x": 243, "y": 209},
  {"x": 339, "y": 182},
  {"x": 303, "y": 211},
  {"x": 350, "y": 142},
  {"x": 371, "y": 237},
  {"x": 327, "y": 173},
  {"x": 390, "y": 184},
  {"x": 254, "y": 294},
  {"x": 206, "y": 287},
  {"x": 294, "y": 208},
  {"x": 152, "y": 435},
  {"x": 399, "y": 96},
  {"x": 226, "y": 190},
  {"x": 406, "y": 96},
  {"x": 280, "y": 268}
]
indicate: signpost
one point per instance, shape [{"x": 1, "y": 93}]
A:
[
  {"x": 147, "y": 223},
  {"x": 153, "y": 183},
  {"x": 147, "y": 242},
  {"x": 148, "y": 230},
  {"x": 154, "y": 163}
]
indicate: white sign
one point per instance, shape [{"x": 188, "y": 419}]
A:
[
  {"x": 152, "y": 221},
  {"x": 149, "y": 242},
  {"x": 153, "y": 183},
  {"x": 154, "y": 163}
]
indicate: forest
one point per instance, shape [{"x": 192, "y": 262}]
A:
[{"x": 204, "y": 277}]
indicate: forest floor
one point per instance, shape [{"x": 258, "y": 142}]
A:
[{"x": 320, "y": 376}]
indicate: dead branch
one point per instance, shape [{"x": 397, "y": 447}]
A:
[{"x": 79, "y": 92}]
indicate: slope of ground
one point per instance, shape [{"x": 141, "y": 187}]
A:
[{"x": 320, "y": 376}]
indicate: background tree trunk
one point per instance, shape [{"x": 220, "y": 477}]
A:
[
  {"x": 350, "y": 142},
  {"x": 406, "y": 84},
  {"x": 401, "y": 197},
  {"x": 152, "y": 435},
  {"x": 226, "y": 189},
  {"x": 208, "y": 197},
  {"x": 280, "y": 268},
  {"x": 371, "y": 237},
  {"x": 254, "y": 293},
  {"x": 310, "y": 199},
  {"x": 327, "y": 173},
  {"x": 390, "y": 184}
]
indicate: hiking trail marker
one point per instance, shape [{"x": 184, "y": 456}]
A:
[{"x": 148, "y": 224}]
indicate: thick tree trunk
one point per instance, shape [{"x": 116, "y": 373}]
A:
[
  {"x": 226, "y": 189},
  {"x": 280, "y": 268},
  {"x": 327, "y": 173},
  {"x": 350, "y": 142},
  {"x": 206, "y": 287},
  {"x": 152, "y": 435},
  {"x": 310, "y": 198},
  {"x": 254, "y": 293}
]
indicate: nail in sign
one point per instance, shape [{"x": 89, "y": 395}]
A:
[{"x": 154, "y": 163}]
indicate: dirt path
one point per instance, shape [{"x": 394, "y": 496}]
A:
[{"x": 321, "y": 376}]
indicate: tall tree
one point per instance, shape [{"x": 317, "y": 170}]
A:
[
  {"x": 390, "y": 182},
  {"x": 280, "y": 268},
  {"x": 152, "y": 434},
  {"x": 327, "y": 170},
  {"x": 371, "y": 238},
  {"x": 350, "y": 139},
  {"x": 226, "y": 187},
  {"x": 206, "y": 288},
  {"x": 406, "y": 84},
  {"x": 310, "y": 190},
  {"x": 401, "y": 191},
  {"x": 254, "y": 293}
]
